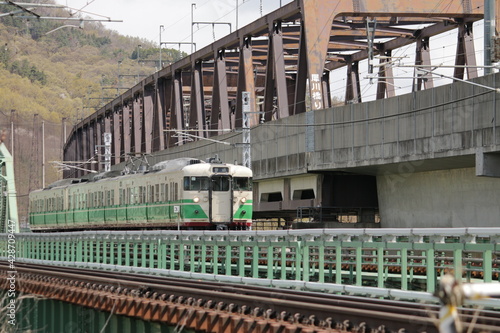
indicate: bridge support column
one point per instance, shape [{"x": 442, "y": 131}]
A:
[{"x": 487, "y": 164}]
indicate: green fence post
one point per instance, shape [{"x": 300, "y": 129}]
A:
[
  {"x": 283, "y": 262},
  {"x": 338, "y": 263},
  {"x": 306, "y": 263},
  {"x": 298, "y": 261},
  {"x": 135, "y": 253},
  {"x": 431, "y": 271},
  {"x": 255, "y": 261},
  {"x": 487, "y": 265},
  {"x": 359, "y": 264},
  {"x": 270, "y": 260},
  {"x": 172, "y": 254},
  {"x": 380, "y": 265},
  {"x": 192, "y": 256},
  {"x": 404, "y": 268},
  {"x": 241, "y": 260},
  {"x": 204, "y": 258},
  {"x": 79, "y": 249},
  {"x": 144, "y": 252},
  {"x": 228, "y": 249},
  {"x": 321, "y": 262},
  {"x": 457, "y": 264},
  {"x": 181, "y": 256}
]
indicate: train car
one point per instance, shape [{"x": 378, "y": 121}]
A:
[{"x": 183, "y": 193}]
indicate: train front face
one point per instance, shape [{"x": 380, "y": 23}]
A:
[{"x": 222, "y": 191}]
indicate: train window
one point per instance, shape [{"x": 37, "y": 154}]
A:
[
  {"x": 196, "y": 183},
  {"x": 220, "y": 183},
  {"x": 112, "y": 197},
  {"x": 176, "y": 191},
  {"x": 242, "y": 184},
  {"x": 157, "y": 192},
  {"x": 220, "y": 170},
  {"x": 151, "y": 193},
  {"x": 166, "y": 192}
]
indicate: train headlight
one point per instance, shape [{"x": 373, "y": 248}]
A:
[
  {"x": 243, "y": 200},
  {"x": 196, "y": 200}
]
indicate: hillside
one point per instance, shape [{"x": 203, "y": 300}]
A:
[{"x": 49, "y": 73}]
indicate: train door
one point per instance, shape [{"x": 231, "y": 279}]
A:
[{"x": 221, "y": 199}]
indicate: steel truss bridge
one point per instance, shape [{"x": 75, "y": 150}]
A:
[{"x": 284, "y": 60}]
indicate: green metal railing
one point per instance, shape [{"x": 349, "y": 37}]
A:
[{"x": 406, "y": 259}]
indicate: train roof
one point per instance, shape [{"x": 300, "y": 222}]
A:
[{"x": 177, "y": 164}]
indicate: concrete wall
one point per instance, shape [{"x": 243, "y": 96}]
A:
[
  {"x": 450, "y": 121},
  {"x": 443, "y": 198}
]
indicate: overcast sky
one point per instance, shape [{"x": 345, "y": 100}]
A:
[
  {"x": 140, "y": 20},
  {"x": 144, "y": 21}
]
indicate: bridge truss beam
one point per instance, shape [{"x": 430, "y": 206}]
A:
[{"x": 283, "y": 60}]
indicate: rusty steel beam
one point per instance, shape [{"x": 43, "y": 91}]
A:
[
  {"x": 125, "y": 130},
  {"x": 385, "y": 85},
  {"x": 220, "y": 117},
  {"x": 159, "y": 116},
  {"x": 422, "y": 57},
  {"x": 91, "y": 130},
  {"x": 137, "y": 124},
  {"x": 116, "y": 136},
  {"x": 278, "y": 59},
  {"x": 176, "y": 110},
  {"x": 197, "y": 110},
  {"x": 353, "y": 89},
  {"x": 147, "y": 118},
  {"x": 299, "y": 105},
  {"x": 245, "y": 83},
  {"x": 466, "y": 54}
]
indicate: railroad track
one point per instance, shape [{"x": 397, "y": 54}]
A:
[{"x": 280, "y": 310}]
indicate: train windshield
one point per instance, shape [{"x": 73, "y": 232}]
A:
[
  {"x": 242, "y": 184},
  {"x": 221, "y": 183},
  {"x": 196, "y": 183}
]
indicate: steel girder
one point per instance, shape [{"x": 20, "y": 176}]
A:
[{"x": 284, "y": 61}]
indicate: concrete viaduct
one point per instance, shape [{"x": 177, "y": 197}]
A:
[{"x": 428, "y": 158}]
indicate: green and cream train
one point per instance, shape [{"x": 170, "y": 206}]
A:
[{"x": 183, "y": 193}]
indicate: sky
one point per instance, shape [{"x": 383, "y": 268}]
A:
[{"x": 144, "y": 21}]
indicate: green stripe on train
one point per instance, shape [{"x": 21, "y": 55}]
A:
[{"x": 140, "y": 212}]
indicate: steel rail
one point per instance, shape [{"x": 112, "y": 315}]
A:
[{"x": 393, "y": 315}]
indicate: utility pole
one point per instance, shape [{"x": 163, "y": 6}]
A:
[
  {"x": 247, "y": 147},
  {"x": 489, "y": 34},
  {"x": 193, "y": 6},
  {"x": 161, "y": 29},
  {"x": 43, "y": 153},
  {"x": 107, "y": 150},
  {"x": 12, "y": 112}
]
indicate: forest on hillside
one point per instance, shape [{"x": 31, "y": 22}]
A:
[{"x": 52, "y": 77}]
